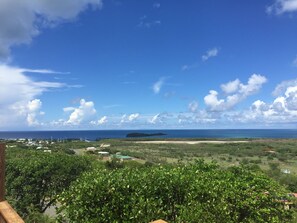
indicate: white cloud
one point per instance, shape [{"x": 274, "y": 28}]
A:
[
  {"x": 210, "y": 53},
  {"x": 281, "y": 112},
  {"x": 16, "y": 91},
  {"x": 34, "y": 107},
  {"x": 158, "y": 85},
  {"x": 132, "y": 117},
  {"x": 282, "y": 6},
  {"x": 212, "y": 101},
  {"x": 291, "y": 98},
  {"x": 101, "y": 121},
  {"x": 25, "y": 88},
  {"x": 154, "y": 119},
  {"x": 42, "y": 71},
  {"x": 21, "y": 20},
  {"x": 68, "y": 109},
  {"x": 159, "y": 118},
  {"x": 255, "y": 83},
  {"x": 231, "y": 86},
  {"x": 259, "y": 106},
  {"x": 240, "y": 92},
  {"x": 282, "y": 87},
  {"x": 129, "y": 118},
  {"x": 193, "y": 106},
  {"x": 82, "y": 114}
]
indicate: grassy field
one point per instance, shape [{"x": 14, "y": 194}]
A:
[
  {"x": 262, "y": 152},
  {"x": 277, "y": 157}
]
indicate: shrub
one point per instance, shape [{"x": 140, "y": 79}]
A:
[
  {"x": 195, "y": 193},
  {"x": 33, "y": 179}
]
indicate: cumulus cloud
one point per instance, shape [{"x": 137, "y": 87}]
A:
[
  {"x": 291, "y": 98},
  {"x": 212, "y": 101},
  {"x": 82, "y": 114},
  {"x": 158, "y": 85},
  {"x": 259, "y": 106},
  {"x": 283, "y": 86},
  {"x": 129, "y": 118},
  {"x": 101, "y": 121},
  {"x": 34, "y": 107},
  {"x": 18, "y": 93},
  {"x": 281, "y": 112},
  {"x": 236, "y": 93},
  {"x": 210, "y": 53},
  {"x": 21, "y": 20},
  {"x": 282, "y": 6},
  {"x": 231, "y": 86},
  {"x": 132, "y": 117}
]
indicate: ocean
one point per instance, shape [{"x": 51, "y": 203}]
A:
[{"x": 103, "y": 134}]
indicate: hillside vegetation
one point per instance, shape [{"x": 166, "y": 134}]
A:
[{"x": 231, "y": 182}]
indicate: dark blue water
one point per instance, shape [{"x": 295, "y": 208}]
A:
[{"x": 101, "y": 134}]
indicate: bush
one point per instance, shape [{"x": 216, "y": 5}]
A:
[
  {"x": 195, "y": 193},
  {"x": 114, "y": 163},
  {"x": 33, "y": 179}
]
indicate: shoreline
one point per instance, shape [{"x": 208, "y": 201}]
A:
[{"x": 190, "y": 142}]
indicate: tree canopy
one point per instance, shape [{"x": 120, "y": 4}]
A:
[
  {"x": 34, "y": 179},
  {"x": 197, "y": 192}
]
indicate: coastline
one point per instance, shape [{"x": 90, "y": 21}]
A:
[{"x": 191, "y": 142}]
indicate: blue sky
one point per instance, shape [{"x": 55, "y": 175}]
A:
[{"x": 115, "y": 64}]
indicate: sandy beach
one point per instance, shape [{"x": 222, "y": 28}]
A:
[{"x": 189, "y": 142}]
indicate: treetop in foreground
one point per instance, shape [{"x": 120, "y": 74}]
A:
[{"x": 197, "y": 192}]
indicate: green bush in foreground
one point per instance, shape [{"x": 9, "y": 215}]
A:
[
  {"x": 192, "y": 193},
  {"x": 34, "y": 179}
]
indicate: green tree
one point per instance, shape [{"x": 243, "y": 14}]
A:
[
  {"x": 34, "y": 179},
  {"x": 195, "y": 193}
]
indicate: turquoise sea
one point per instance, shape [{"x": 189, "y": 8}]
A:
[{"x": 101, "y": 134}]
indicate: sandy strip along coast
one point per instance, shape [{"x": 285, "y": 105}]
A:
[{"x": 189, "y": 142}]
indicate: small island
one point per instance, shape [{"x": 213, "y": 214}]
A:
[{"x": 138, "y": 134}]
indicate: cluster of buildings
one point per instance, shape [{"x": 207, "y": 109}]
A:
[
  {"x": 38, "y": 144},
  {"x": 101, "y": 151}
]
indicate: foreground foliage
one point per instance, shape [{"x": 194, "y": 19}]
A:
[
  {"x": 198, "y": 192},
  {"x": 34, "y": 179}
]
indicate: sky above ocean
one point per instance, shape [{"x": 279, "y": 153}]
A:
[{"x": 115, "y": 64}]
